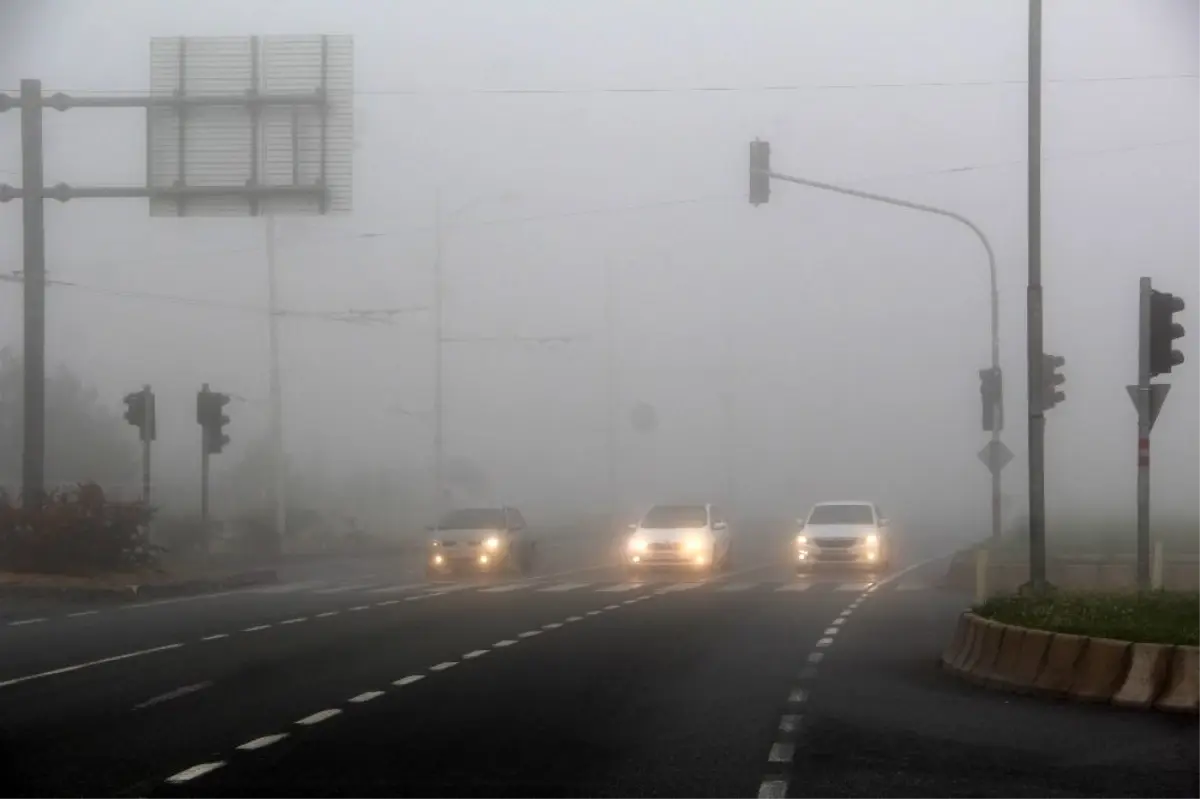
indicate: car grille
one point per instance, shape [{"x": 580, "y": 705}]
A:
[
  {"x": 836, "y": 555},
  {"x": 836, "y": 543},
  {"x": 667, "y": 546}
]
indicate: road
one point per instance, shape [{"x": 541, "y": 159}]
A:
[{"x": 362, "y": 678}]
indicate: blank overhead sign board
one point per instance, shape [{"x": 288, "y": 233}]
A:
[{"x": 275, "y": 112}]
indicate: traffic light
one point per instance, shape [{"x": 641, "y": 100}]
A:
[
  {"x": 1051, "y": 380},
  {"x": 139, "y": 412},
  {"x": 991, "y": 392},
  {"x": 760, "y": 165},
  {"x": 210, "y": 415},
  {"x": 1163, "y": 332}
]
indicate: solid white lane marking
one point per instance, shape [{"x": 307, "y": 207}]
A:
[
  {"x": 729, "y": 587},
  {"x": 781, "y": 753},
  {"x": 264, "y": 741},
  {"x": 504, "y": 643},
  {"x": 851, "y": 586},
  {"x": 574, "y": 618},
  {"x": 256, "y": 628},
  {"x": 409, "y": 680},
  {"x": 318, "y": 717},
  {"x": 475, "y": 653},
  {"x": 501, "y": 589},
  {"x": 82, "y": 613},
  {"x": 824, "y": 642},
  {"x": 396, "y": 589},
  {"x": 366, "y": 696},
  {"x": 529, "y": 633},
  {"x": 816, "y": 657},
  {"x": 773, "y": 789},
  {"x": 797, "y": 696},
  {"x": 563, "y": 587},
  {"x": 799, "y": 585},
  {"x": 23, "y": 622},
  {"x": 619, "y": 588},
  {"x": 554, "y": 625},
  {"x": 88, "y": 665},
  {"x": 169, "y": 695},
  {"x": 296, "y": 620},
  {"x": 195, "y": 771},
  {"x": 448, "y": 664},
  {"x": 789, "y": 723},
  {"x": 215, "y": 637},
  {"x": 327, "y": 614}
]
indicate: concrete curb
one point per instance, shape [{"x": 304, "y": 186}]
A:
[
  {"x": 1006, "y": 657},
  {"x": 121, "y": 593}
]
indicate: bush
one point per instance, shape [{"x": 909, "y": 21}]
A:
[{"x": 76, "y": 532}]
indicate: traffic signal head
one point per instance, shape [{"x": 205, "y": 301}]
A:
[
  {"x": 135, "y": 409},
  {"x": 1051, "y": 380},
  {"x": 1163, "y": 332},
  {"x": 991, "y": 393},
  {"x": 760, "y": 165}
]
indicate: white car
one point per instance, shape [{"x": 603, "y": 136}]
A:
[
  {"x": 479, "y": 541},
  {"x": 693, "y": 537},
  {"x": 850, "y": 533}
]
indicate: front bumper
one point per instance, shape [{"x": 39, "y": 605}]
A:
[
  {"x": 668, "y": 556},
  {"x": 475, "y": 561},
  {"x": 858, "y": 555}
]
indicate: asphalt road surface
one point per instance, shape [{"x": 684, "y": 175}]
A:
[{"x": 361, "y": 678}]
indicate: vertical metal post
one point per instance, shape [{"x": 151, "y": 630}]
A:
[
  {"x": 278, "y": 460},
  {"x": 1144, "y": 420},
  {"x": 438, "y": 365},
  {"x": 1037, "y": 418},
  {"x": 728, "y": 455},
  {"x": 148, "y": 428},
  {"x": 610, "y": 387},
  {"x": 204, "y": 482},
  {"x": 33, "y": 463}
]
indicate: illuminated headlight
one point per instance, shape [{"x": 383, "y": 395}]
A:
[
  {"x": 801, "y": 540},
  {"x": 491, "y": 544},
  {"x": 637, "y": 544},
  {"x": 438, "y": 560},
  {"x": 483, "y": 560},
  {"x": 693, "y": 543},
  {"x": 872, "y": 540}
]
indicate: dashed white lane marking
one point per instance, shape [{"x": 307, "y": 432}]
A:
[
  {"x": 409, "y": 680},
  {"x": 841, "y": 619},
  {"x": 169, "y": 695},
  {"x": 264, "y": 741},
  {"x": 773, "y": 789},
  {"x": 824, "y": 642},
  {"x": 82, "y": 613},
  {"x": 318, "y": 717},
  {"x": 448, "y": 664},
  {"x": 360, "y": 607},
  {"x": 629, "y": 601},
  {"x": 503, "y": 589},
  {"x": 396, "y": 589},
  {"x": 88, "y": 665},
  {"x": 781, "y": 753},
  {"x": 611, "y": 607},
  {"x": 797, "y": 696},
  {"x": 215, "y": 637},
  {"x": 529, "y": 633},
  {"x": 504, "y": 643},
  {"x": 327, "y": 614},
  {"x": 574, "y": 618},
  {"x": 366, "y": 696},
  {"x": 816, "y": 657},
  {"x": 789, "y": 723},
  {"x": 256, "y": 628},
  {"x": 594, "y": 612},
  {"x": 563, "y": 587},
  {"x": 475, "y": 653},
  {"x": 796, "y": 586},
  {"x": 387, "y": 602},
  {"x": 831, "y": 631},
  {"x": 620, "y": 588},
  {"x": 23, "y": 622},
  {"x": 195, "y": 771},
  {"x": 675, "y": 587},
  {"x": 296, "y": 620},
  {"x": 554, "y": 625}
]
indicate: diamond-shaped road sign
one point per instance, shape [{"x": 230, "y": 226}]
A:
[
  {"x": 1158, "y": 394},
  {"x": 995, "y": 455}
]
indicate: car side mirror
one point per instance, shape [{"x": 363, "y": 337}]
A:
[
  {"x": 720, "y": 526},
  {"x": 633, "y": 526},
  {"x": 884, "y": 522}
]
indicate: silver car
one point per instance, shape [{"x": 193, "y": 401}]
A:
[{"x": 480, "y": 541}]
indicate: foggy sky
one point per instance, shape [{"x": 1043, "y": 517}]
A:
[{"x": 850, "y": 333}]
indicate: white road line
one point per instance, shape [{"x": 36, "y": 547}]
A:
[
  {"x": 448, "y": 664},
  {"x": 594, "y": 612},
  {"x": 256, "y": 628},
  {"x": 296, "y": 620},
  {"x": 396, "y": 589},
  {"x": 387, "y": 602},
  {"x": 789, "y": 723},
  {"x": 529, "y": 633},
  {"x": 563, "y": 587},
  {"x": 169, "y": 695},
  {"x": 611, "y": 607},
  {"x": 264, "y": 741},
  {"x": 816, "y": 657},
  {"x": 671, "y": 589},
  {"x": 475, "y": 653},
  {"x": 341, "y": 589},
  {"x": 327, "y": 614},
  {"x": 366, "y": 696},
  {"x": 215, "y": 637},
  {"x": 504, "y": 643},
  {"x": 361, "y": 607},
  {"x": 773, "y": 789},
  {"x": 795, "y": 586},
  {"x": 728, "y": 587},
  {"x": 797, "y": 696},
  {"x": 409, "y": 680},
  {"x": 195, "y": 771},
  {"x": 831, "y": 631},
  {"x": 502, "y": 589},
  {"x": 841, "y": 619},
  {"x": 619, "y": 588},
  {"x": 318, "y": 717},
  {"x": 554, "y": 625},
  {"x": 574, "y": 618},
  {"x": 23, "y": 622},
  {"x": 824, "y": 642},
  {"x": 781, "y": 753},
  {"x": 287, "y": 588},
  {"x": 845, "y": 613},
  {"x": 88, "y": 665},
  {"x": 629, "y": 601},
  {"x": 851, "y": 587},
  {"x": 82, "y": 613}
]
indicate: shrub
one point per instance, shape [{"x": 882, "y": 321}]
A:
[{"x": 76, "y": 532}]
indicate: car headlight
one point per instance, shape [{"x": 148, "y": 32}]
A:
[
  {"x": 693, "y": 543},
  {"x": 801, "y": 540},
  {"x": 637, "y": 544},
  {"x": 492, "y": 543},
  {"x": 872, "y": 540}
]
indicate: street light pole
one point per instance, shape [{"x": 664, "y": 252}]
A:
[
  {"x": 610, "y": 385},
  {"x": 278, "y": 460},
  {"x": 438, "y": 366},
  {"x": 995, "y": 302},
  {"x": 1035, "y": 344}
]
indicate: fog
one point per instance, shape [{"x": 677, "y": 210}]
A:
[{"x": 848, "y": 334}]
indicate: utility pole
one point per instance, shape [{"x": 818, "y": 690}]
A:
[
  {"x": 1037, "y": 417},
  {"x": 33, "y": 458},
  {"x": 278, "y": 460},
  {"x": 610, "y": 387},
  {"x": 439, "y": 413}
]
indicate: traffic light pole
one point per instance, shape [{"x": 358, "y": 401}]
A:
[
  {"x": 278, "y": 461},
  {"x": 1145, "y": 421},
  {"x": 33, "y": 463},
  {"x": 439, "y": 412},
  {"x": 995, "y": 297},
  {"x": 204, "y": 483},
  {"x": 610, "y": 388}
]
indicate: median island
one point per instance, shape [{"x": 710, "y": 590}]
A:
[{"x": 1152, "y": 617}]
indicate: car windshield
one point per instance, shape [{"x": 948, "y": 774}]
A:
[
  {"x": 676, "y": 516},
  {"x": 842, "y": 514},
  {"x": 473, "y": 519}
]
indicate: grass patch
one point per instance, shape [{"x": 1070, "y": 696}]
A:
[{"x": 1154, "y": 617}]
